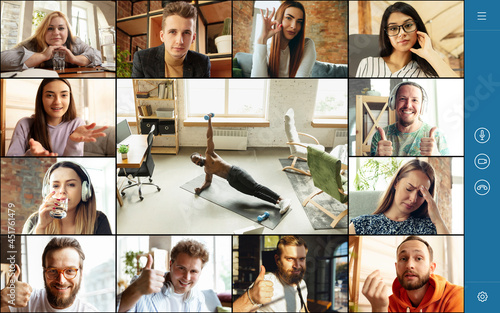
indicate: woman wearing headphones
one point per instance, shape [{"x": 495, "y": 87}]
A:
[
  {"x": 405, "y": 48},
  {"x": 407, "y": 207},
  {"x": 69, "y": 205}
]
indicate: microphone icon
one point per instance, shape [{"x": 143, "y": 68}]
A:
[{"x": 482, "y": 135}]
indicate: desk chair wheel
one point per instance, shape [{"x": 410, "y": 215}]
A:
[
  {"x": 158, "y": 188},
  {"x": 123, "y": 194},
  {"x": 150, "y": 180},
  {"x": 142, "y": 198},
  {"x": 129, "y": 182}
]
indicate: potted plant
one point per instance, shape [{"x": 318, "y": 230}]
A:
[
  {"x": 223, "y": 42},
  {"x": 123, "y": 68},
  {"x": 123, "y": 150}
]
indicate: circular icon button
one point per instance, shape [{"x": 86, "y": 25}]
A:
[
  {"x": 482, "y": 161},
  {"x": 482, "y": 187},
  {"x": 482, "y": 135},
  {"x": 482, "y": 296}
]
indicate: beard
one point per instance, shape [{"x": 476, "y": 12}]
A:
[
  {"x": 288, "y": 277},
  {"x": 419, "y": 283},
  {"x": 61, "y": 302}
]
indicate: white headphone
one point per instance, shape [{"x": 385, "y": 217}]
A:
[
  {"x": 86, "y": 185},
  {"x": 394, "y": 93},
  {"x": 188, "y": 297}
]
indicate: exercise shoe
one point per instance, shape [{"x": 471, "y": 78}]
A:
[{"x": 284, "y": 205}]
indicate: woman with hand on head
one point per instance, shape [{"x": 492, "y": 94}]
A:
[
  {"x": 54, "y": 129},
  {"x": 68, "y": 180},
  {"x": 53, "y": 34},
  {"x": 405, "y": 48},
  {"x": 290, "y": 54},
  {"x": 407, "y": 207}
]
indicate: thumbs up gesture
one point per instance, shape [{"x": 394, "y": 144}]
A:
[
  {"x": 262, "y": 290},
  {"x": 150, "y": 280},
  {"x": 384, "y": 147},
  {"x": 428, "y": 145},
  {"x": 18, "y": 298}
]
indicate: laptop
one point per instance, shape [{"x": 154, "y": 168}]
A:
[{"x": 123, "y": 132}]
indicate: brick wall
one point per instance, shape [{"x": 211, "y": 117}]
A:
[
  {"x": 242, "y": 25},
  {"x": 442, "y": 168},
  {"x": 326, "y": 25},
  {"x": 123, "y": 9},
  {"x": 21, "y": 184}
]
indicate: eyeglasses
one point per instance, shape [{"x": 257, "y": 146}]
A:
[
  {"x": 53, "y": 273},
  {"x": 408, "y": 27}
]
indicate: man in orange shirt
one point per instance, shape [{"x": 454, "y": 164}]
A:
[{"x": 417, "y": 288}]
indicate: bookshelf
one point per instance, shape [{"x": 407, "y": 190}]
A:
[{"x": 151, "y": 96}]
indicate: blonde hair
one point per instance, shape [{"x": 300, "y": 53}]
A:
[
  {"x": 38, "y": 38},
  {"x": 192, "y": 248}
]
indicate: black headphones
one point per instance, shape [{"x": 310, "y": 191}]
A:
[
  {"x": 394, "y": 93},
  {"x": 86, "y": 185}
]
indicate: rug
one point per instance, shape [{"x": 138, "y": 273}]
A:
[
  {"x": 304, "y": 186},
  {"x": 222, "y": 194}
]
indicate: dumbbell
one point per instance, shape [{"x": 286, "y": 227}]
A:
[{"x": 209, "y": 115}]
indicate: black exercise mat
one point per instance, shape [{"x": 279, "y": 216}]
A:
[
  {"x": 304, "y": 186},
  {"x": 221, "y": 193}
]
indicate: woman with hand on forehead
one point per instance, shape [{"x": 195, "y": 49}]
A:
[
  {"x": 405, "y": 48},
  {"x": 289, "y": 54},
  {"x": 69, "y": 182},
  {"x": 53, "y": 34},
  {"x": 54, "y": 129},
  {"x": 407, "y": 207}
]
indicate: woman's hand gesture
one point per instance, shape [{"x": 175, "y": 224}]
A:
[
  {"x": 433, "y": 212},
  {"x": 48, "y": 53},
  {"x": 269, "y": 27},
  {"x": 426, "y": 50},
  {"x": 87, "y": 133},
  {"x": 37, "y": 149}
]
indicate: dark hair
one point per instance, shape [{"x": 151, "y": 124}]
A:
[
  {"x": 58, "y": 243},
  {"x": 289, "y": 241},
  {"x": 413, "y": 165},
  {"x": 192, "y": 248},
  {"x": 386, "y": 47},
  {"x": 181, "y": 8},
  {"x": 296, "y": 45},
  {"x": 38, "y": 130},
  {"x": 431, "y": 254}
]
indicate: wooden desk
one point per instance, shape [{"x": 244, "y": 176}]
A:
[
  {"x": 138, "y": 146},
  {"x": 70, "y": 72}
]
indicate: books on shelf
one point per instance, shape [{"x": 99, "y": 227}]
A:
[
  {"x": 145, "y": 110},
  {"x": 166, "y": 90},
  {"x": 142, "y": 94}
]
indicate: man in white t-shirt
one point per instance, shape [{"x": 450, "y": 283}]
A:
[
  {"x": 62, "y": 262},
  {"x": 284, "y": 290},
  {"x": 158, "y": 291}
]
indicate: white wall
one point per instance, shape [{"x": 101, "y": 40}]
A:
[{"x": 284, "y": 94}]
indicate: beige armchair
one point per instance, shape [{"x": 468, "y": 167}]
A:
[{"x": 298, "y": 149}]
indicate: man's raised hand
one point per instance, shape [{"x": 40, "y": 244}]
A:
[
  {"x": 20, "y": 296},
  {"x": 384, "y": 147},
  {"x": 262, "y": 290},
  {"x": 376, "y": 292},
  {"x": 150, "y": 281},
  {"x": 428, "y": 145}
]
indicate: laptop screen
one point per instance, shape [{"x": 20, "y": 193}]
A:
[{"x": 122, "y": 131}]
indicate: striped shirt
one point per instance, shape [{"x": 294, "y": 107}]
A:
[{"x": 376, "y": 67}]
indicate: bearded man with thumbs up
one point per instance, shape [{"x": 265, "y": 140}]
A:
[
  {"x": 281, "y": 291},
  {"x": 62, "y": 261},
  {"x": 409, "y": 136},
  {"x": 158, "y": 291}
]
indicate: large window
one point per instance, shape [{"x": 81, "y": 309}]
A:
[
  {"x": 331, "y": 99},
  {"x": 11, "y": 23},
  {"x": 227, "y": 98}
]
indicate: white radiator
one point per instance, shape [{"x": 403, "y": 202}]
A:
[
  {"x": 230, "y": 139},
  {"x": 340, "y": 137}
]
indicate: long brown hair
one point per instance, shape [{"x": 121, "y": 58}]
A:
[
  {"x": 38, "y": 38},
  {"x": 413, "y": 165},
  {"x": 296, "y": 45},
  {"x": 38, "y": 130},
  {"x": 86, "y": 212}
]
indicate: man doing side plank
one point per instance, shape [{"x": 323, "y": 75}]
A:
[{"x": 237, "y": 177}]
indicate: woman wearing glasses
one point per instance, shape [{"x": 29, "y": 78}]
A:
[{"x": 405, "y": 48}]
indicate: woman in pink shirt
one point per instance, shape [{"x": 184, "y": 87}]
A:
[{"x": 54, "y": 129}]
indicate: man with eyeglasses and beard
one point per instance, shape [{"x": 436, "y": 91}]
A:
[
  {"x": 62, "y": 262},
  {"x": 284, "y": 290},
  {"x": 416, "y": 288}
]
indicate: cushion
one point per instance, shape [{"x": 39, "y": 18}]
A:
[
  {"x": 211, "y": 300},
  {"x": 363, "y": 202},
  {"x": 360, "y": 47},
  {"x": 104, "y": 146}
]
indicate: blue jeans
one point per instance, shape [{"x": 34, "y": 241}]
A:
[{"x": 240, "y": 180}]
